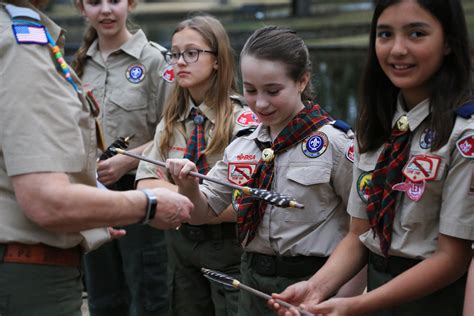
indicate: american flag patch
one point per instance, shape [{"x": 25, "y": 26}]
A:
[{"x": 30, "y": 34}]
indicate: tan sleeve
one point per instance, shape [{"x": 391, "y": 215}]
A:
[
  {"x": 147, "y": 170},
  {"x": 342, "y": 173},
  {"x": 218, "y": 196},
  {"x": 41, "y": 112},
  {"x": 457, "y": 208}
]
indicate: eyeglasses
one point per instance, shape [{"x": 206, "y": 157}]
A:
[{"x": 189, "y": 56}]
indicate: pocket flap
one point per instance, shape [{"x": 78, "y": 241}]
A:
[
  {"x": 129, "y": 101},
  {"x": 310, "y": 175}
]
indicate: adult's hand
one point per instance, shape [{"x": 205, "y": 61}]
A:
[{"x": 172, "y": 210}]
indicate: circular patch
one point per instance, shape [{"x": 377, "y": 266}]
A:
[
  {"x": 426, "y": 138},
  {"x": 236, "y": 194},
  {"x": 135, "y": 73},
  {"x": 315, "y": 145},
  {"x": 363, "y": 183}
]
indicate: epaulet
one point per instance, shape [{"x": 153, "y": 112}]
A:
[
  {"x": 16, "y": 12},
  {"x": 466, "y": 110},
  {"x": 239, "y": 100},
  {"x": 341, "y": 125},
  {"x": 158, "y": 46},
  {"x": 245, "y": 132}
]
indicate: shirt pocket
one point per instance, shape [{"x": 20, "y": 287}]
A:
[
  {"x": 429, "y": 205},
  {"x": 128, "y": 101},
  {"x": 127, "y": 114},
  {"x": 309, "y": 185}
]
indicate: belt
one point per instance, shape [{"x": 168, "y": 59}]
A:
[
  {"x": 209, "y": 232},
  {"x": 289, "y": 267},
  {"x": 40, "y": 254},
  {"x": 392, "y": 265}
]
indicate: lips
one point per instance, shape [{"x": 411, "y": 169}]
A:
[{"x": 402, "y": 66}]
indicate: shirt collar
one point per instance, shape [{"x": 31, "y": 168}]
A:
[
  {"x": 133, "y": 47},
  {"x": 261, "y": 133},
  {"x": 203, "y": 108},
  {"x": 415, "y": 116}
]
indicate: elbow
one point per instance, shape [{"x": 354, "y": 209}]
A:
[{"x": 51, "y": 216}]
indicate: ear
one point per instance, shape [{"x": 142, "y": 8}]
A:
[
  {"x": 215, "y": 65},
  {"x": 303, "y": 81}
]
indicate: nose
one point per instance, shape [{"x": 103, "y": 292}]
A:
[
  {"x": 105, "y": 7},
  {"x": 181, "y": 60},
  {"x": 399, "y": 47},
  {"x": 261, "y": 102}
]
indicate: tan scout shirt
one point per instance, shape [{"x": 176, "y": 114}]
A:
[
  {"x": 183, "y": 132},
  {"x": 44, "y": 128},
  {"x": 444, "y": 206},
  {"x": 321, "y": 183},
  {"x": 131, "y": 88}
]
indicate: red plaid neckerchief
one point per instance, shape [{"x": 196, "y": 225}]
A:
[
  {"x": 381, "y": 196},
  {"x": 197, "y": 144},
  {"x": 251, "y": 211}
]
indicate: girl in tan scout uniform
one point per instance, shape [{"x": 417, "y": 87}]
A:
[
  {"x": 201, "y": 118},
  {"x": 130, "y": 80},
  {"x": 412, "y": 197},
  {"x": 296, "y": 151},
  {"x": 49, "y": 205}
]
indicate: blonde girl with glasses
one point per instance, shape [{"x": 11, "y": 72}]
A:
[
  {"x": 130, "y": 80},
  {"x": 203, "y": 114}
]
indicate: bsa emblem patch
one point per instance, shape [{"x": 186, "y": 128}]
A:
[
  {"x": 466, "y": 146},
  {"x": 350, "y": 152},
  {"x": 315, "y": 145},
  {"x": 135, "y": 73},
  {"x": 240, "y": 172},
  {"x": 421, "y": 168},
  {"x": 247, "y": 118},
  {"x": 426, "y": 138},
  {"x": 363, "y": 183},
  {"x": 168, "y": 74}
]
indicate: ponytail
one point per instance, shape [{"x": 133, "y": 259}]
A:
[{"x": 80, "y": 57}]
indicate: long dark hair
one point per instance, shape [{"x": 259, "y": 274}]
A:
[
  {"x": 280, "y": 44},
  {"x": 451, "y": 85}
]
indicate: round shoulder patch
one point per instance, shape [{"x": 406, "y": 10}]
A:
[
  {"x": 363, "y": 183},
  {"x": 168, "y": 74},
  {"x": 247, "y": 118},
  {"x": 315, "y": 145},
  {"x": 135, "y": 73}
]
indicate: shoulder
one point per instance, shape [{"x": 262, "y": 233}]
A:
[
  {"x": 245, "y": 121},
  {"x": 157, "y": 46},
  {"x": 164, "y": 70},
  {"x": 21, "y": 25},
  {"x": 463, "y": 130}
]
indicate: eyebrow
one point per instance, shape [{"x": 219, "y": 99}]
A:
[{"x": 408, "y": 26}]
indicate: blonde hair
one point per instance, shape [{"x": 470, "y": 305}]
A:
[
  {"x": 90, "y": 35},
  {"x": 223, "y": 84}
]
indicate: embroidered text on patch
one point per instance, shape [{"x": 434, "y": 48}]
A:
[{"x": 30, "y": 34}]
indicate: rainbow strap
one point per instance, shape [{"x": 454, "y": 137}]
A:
[{"x": 60, "y": 60}]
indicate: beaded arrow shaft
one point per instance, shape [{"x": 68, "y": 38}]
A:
[
  {"x": 227, "y": 280},
  {"x": 270, "y": 197}
]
